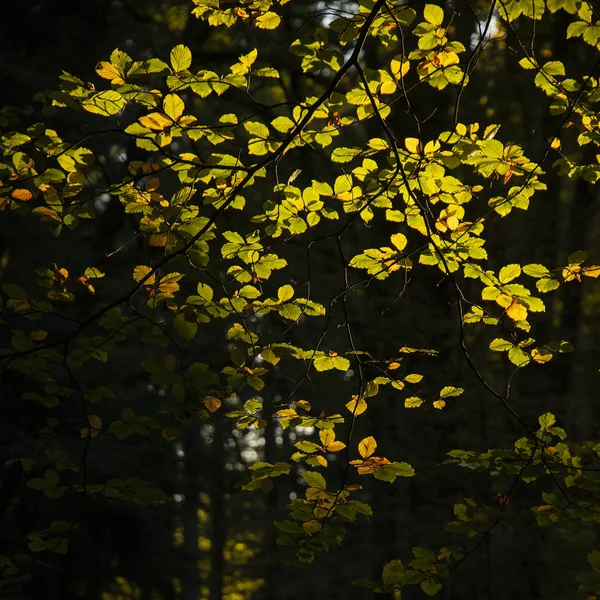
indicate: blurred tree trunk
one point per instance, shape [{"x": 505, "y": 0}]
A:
[
  {"x": 189, "y": 514},
  {"x": 217, "y": 515}
]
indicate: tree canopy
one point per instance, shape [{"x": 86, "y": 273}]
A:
[{"x": 298, "y": 296}]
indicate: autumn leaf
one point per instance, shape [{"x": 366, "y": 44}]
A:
[
  {"x": 367, "y": 446},
  {"x": 356, "y": 406},
  {"x": 211, "y": 403}
]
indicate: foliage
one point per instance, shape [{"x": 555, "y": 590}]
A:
[{"x": 228, "y": 221}]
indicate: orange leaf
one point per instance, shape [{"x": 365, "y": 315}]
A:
[
  {"x": 22, "y": 195},
  {"x": 158, "y": 240},
  {"x": 212, "y": 404},
  {"x": 516, "y": 311},
  {"x": 152, "y": 184}
]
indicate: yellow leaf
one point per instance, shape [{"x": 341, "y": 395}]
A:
[
  {"x": 504, "y": 300},
  {"x": 163, "y": 139},
  {"x": 268, "y": 20},
  {"x": 413, "y": 402},
  {"x": 174, "y": 106},
  {"x": 109, "y": 71},
  {"x": 181, "y": 58},
  {"x": 367, "y": 446},
  {"x": 592, "y": 271},
  {"x": 555, "y": 144},
  {"x": 393, "y": 366},
  {"x": 168, "y": 287},
  {"x": 321, "y": 460},
  {"x": 399, "y": 240},
  {"x": 516, "y": 311},
  {"x": 326, "y": 436},
  {"x": 399, "y": 66},
  {"x": 140, "y": 272},
  {"x": 155, "y": 121},
  {"x": 356, "y": 407},
  {"x": 572, "y": 273},
  {"x": 439, "y": 404},
  {"x": 413, "y": 145},
  {"x": 387, "y": 87},
  {"x": 541, "y": 355},
  {"x": 335, "y": 446},
  {"x": 212, "y": 404},
  {"x": 303, "y": 404}
]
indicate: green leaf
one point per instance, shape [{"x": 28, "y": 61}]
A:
[
  {"x": 431, "y": 586},
  {"x": 314, "y": 480},
  {"x": 594, "y": 560},
  {"x": 185, "y": 328},
  {"x": 547, "y": 420},
  {"x": 500, "y": 345},
  {"x": 392, "y": 572},
  {"x": 536, "y": 271}
]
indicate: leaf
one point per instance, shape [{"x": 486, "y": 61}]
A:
[
  {"x": 285, "y": 293},
  {"x": 392, "y": 572},
  {"x": 433, "y": 14},
  {"x": 449, "y": 391},
  {"x": 314, "y": 480},
  {"x": 431, "y": 586},
  {"x": 181, "y": 58},
  {"x": 95, "y": 424},
  {"x": 107, "y": 103},
  {"x": 547, "y": 420},
  {"x": 536, "y": 271},
  {"x": 185, "y": 328},
  {"x": 22, "y": 195},
  {"x": 173, "y": 106},
  {"x": 155, "y": 121},
  {"x": 413, "y": 402},
  {"x": 509, "y": 272},
  {"x": 367, "y": 446},
  {"x": 140, "y": 272},
  {"x": 311, "y": 526},
  {"x": 516, "y": 311},
  {"x": 594, "y": 560},
  {"x": 500, "y": 345},
  {"x": 356, "y": 406},
  {"x": 413, "y": 145},
  {"x": 399, "y": 240},
  {"x": 412, "y": 378},
  {"x": 546, "y": 284},
  {"x": 518, "y": 357},
  {"x": 212, "y": 404},
  {"x": 268, "y": 20}
]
